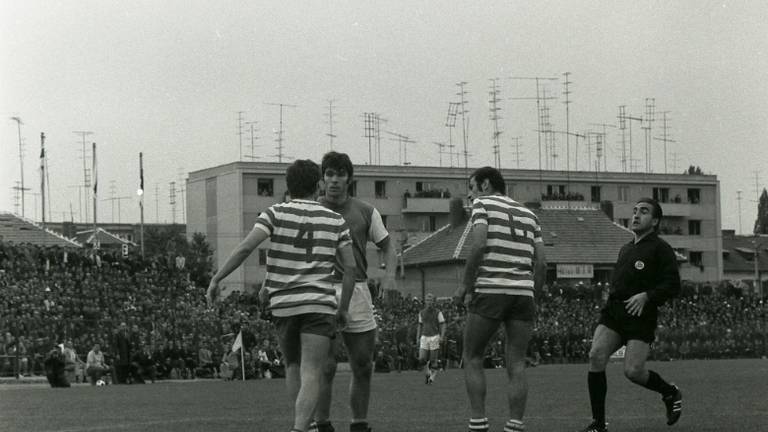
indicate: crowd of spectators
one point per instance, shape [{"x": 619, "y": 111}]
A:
[{"x": 152, "y": 322}]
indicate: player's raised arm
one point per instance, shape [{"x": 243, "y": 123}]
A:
[{"x": 241, "y": 252}]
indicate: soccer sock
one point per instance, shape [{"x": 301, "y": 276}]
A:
[
  {"x": 358, "y": 426},
  {"x": 657, "y": 384},
  {"x": 478, "y": 424},
  {"x": 598, "y": 387},
  {"x": 514, "y": 426},
  {"x": 321, "y": 426}
]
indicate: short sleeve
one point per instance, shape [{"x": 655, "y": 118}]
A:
[
  {"x": 479, "y": 214},
  {"x": 344, "y": 236},
  {"x": 266, "y": 221},
  {"x": 440, "y": 317},
  {"x": 377, "y": 231}
]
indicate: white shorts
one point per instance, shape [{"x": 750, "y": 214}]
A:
[
  {"x": 361, "y": 317},
  {"x": 429, "y": 343}
]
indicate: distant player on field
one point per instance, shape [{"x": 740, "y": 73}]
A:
[
  {"x": 429, "y": 335},
  {"x": 365, "y": 225},
  {"x": 645, "y": 276},
  {"x": 504, "y": 268},
  {"x": 305, "y": 241}
]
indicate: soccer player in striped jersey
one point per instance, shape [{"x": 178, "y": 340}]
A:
[
  {"x": 504, "y": 269},
  {"x": 307, "y": 242},
  {"x": 365, "y": 225}
]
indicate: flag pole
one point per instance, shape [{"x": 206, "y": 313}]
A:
[{"x": 242, "y": 359}]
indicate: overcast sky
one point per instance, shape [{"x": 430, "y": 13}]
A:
[{"x": 168, "y": 78}]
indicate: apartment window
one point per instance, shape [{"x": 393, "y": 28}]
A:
[
  {"x": 595, "y": 193},
  {"x": 432, "y": 223},
  {"x": 661, "y": 194},
  {"x": 266, "y": 187},
  {"x": 624, "y": 222},
  {"x": 381, "y": 189},
  {"x": 353, "y": 188},
  {"x": 694, "y": 196},
  {"x": 694, "y": 227},
  {"x": 623, "y": 193},
  {"x": 695, "y": 258},
  {"x": 556, "y": 190}
]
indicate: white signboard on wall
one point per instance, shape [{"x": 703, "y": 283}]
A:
[{"x": 575, "y": 271}]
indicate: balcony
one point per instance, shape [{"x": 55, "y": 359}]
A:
[
  {"x": 427, "y": 205},
  {"x": 676, "y": 209}
]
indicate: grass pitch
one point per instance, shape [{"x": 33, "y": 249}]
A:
[{"x": 717, "y": 396}]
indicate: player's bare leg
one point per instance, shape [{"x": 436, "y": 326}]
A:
[
  {"x": 314, "y": 352},
  {"x": 323, "y": 410},
  {"x": 518, "y": 336},
  {"x": 635, "y": 371},
  {"x": 477, "y": 333},
  {"x": 360, "y": 347}
]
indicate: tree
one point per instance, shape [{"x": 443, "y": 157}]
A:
[{"x": 761, "y": 223}]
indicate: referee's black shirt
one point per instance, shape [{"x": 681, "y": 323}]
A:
[{"x": 649, "y": 266}]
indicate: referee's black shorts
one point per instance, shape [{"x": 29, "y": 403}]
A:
[{"x": 615, "y": 316}]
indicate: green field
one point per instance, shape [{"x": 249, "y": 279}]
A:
[{"x": 724, "y": 395}]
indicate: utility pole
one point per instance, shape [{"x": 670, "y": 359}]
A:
[
  {"x": 738, "y": 199},
  {"x": 330, "y": 133},
  {"x": 42, "y": 174},
  {"x": 280, "y": 131},
  {"x": 21, "y": 187},
  {"x": 494, "y": 117}
]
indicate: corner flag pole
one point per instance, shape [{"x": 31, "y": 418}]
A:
[{"x": 242, "y": 360}]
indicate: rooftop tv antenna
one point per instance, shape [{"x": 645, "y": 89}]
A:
[
  {"x": 464, "y": 124},
  {"x": 113, "y": 197},
  {"x": 19, "y": 188},
  {"x": 240, "y": 134},
  {"x": 605, "y": 141},
  {"x": 516, "y": 150},
  {"x": 450, "y": 123},
  {"x": 254, "y": 137},
  {"x": 330, "y": 133},
  {"x": 440, "y": 150},
  {"x": 403, "y": 141},
  {"x": 494, "y": 109},
  {"x": 665, "y": 137},
  {"x": 623, "y": 117},
  {"x": 280, "y": 131},
  {"x": 369, "y": 129},
  {"x": 650, "y": 114},
  {"x": 86, "y": 172}
]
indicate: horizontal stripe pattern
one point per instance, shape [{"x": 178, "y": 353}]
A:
[
  {"x": 507, "y": 265},
  {"x": 305, "y": 237}
]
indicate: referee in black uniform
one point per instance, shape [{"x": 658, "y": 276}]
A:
[{"x": 644, "y": 277}]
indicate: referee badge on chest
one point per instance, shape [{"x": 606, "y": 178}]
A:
[{"x": 639, "y": 265}]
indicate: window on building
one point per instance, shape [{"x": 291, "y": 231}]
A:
[
  {"x": 419, "y": 186},
  {"x": 266, "y": 187},
  {"x": 262, "y": 256},
  {"x": 432, "y": 223},
  {"x": 694, "y": 196},
  {"x": 623, "y": 194},
  {"x": 381, "y": 189},
  {"x": 556, "y": 191},
  {"x": 353, "y": 188},
  {"x": 661, "y": 194},
  {"x": 624, "y": 222},
  {"x": 695, "y": 258},
  {"x": 595, "y": 193},
  {"x": 694, "y": 227}
]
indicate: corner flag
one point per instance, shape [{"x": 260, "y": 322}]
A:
[{"x": 238, "y": 341}]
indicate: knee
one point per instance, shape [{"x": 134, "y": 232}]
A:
[
  {"x": 597, "y": 358},
  {"x": 329, "y": 369},
  {"x": 635, "y": 374},
  {"x": 361, "y": 367}
]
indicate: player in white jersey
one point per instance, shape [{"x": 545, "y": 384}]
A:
[
  {"x": 429, "y": 335},
  {"x": 365, "y": 225},
  {"x": 307, "y": 242}
]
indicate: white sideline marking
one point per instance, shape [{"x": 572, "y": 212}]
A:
[{"x": 134, "y": 425}]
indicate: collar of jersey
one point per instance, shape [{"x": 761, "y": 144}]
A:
[{"x": 306, "y": 201}]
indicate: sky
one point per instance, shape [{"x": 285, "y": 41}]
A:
[{"x": 171, "y": 79}]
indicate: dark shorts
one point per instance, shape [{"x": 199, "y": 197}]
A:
[
  {"x": 289, "y": 330},
  {"x": 503, "y": 307},
  {"x": 615, "y": 316}
]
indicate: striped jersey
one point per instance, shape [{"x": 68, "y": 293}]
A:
[
  {"x": 507, "y": 265},
  {"x": 304, "y": 238}
]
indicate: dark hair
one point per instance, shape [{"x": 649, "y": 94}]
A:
[
  {"x": 339, "y": 162},
  {"x": 656, "y": 212},
  {"x": 494, "y": 177},
  {"x": 302, "y": 177}
]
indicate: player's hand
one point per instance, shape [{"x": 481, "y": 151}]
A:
[
  {"x": 342, "y": 319},
  {"x": 459, "y": 295},
  {"x": 636, "y": 303},
  {"x": 212, "y": 295}
]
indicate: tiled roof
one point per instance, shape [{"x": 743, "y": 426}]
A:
[
  {"x": 738, "y": 254},
  {"x": 570, "y": 236},
  {"x": 14, "y": 228},
  {"x": 104, "y": 237}
]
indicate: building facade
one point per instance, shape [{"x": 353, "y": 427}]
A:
[{"x": 223, "y": 203}]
